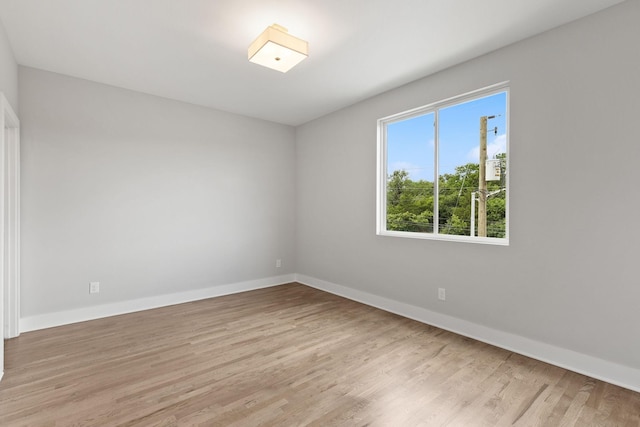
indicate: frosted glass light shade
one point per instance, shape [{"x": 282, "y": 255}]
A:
[{"x": 275, "y": 48}]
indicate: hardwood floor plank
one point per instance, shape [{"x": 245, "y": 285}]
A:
[{"x": 288, "y": 356}]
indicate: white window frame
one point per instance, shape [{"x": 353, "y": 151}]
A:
[{"x": 381, "y": 198}]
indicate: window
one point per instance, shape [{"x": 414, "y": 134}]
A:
[{"x": 443, "y": 170}]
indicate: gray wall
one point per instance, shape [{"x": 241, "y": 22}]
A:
[
  {"x": 569, "y": 277},
  {"x": 145, "y": 195},
  {"x": 152, "y": 197},
  {"x": 8, "y": 71}
]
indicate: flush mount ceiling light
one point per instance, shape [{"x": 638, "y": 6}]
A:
[{"x": 275, "y": 48}]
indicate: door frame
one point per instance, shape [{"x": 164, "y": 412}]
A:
[{"x": 9, "y": 223}]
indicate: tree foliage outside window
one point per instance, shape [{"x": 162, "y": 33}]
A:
[{"x": 429, "y": 170}]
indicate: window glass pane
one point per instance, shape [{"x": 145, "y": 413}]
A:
[
  {"x": 459, "y": 142},
  {"x": 410, "y": 174}
]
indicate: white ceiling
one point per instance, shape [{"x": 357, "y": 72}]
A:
[{"x": 196, "y": 50}]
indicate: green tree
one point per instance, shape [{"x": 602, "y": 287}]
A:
[
  {"x": 396, "y": 184},
  {"x": 456, "y": 225},
  {"x": 410, "y": 203},
  {"x": 455, "y": 198}
]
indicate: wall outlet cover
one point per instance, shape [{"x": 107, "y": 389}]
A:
[{"x": 94, "y": 287}]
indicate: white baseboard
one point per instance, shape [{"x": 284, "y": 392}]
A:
[
  {"x": 604, "y": 370},
  {"x": 49, "y": 320}
]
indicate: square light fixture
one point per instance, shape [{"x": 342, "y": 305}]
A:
[{"x": 275, "y": 48}]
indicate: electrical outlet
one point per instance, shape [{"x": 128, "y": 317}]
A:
[
  {"x": 278, "y": 263},
  {"x": 442, "y": 295},
  {"x": 94, "y": 287}
]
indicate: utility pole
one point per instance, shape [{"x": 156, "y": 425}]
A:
[
  {"x": 482, "y": 178},
  {"x": 472, "y": 229},
  {"x": 482, "y": 181}
]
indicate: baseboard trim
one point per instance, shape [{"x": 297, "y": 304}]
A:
[
  {"x": 604, "y": 370},
  {"x": 50, "y": 320}
]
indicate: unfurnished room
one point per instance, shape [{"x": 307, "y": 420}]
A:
[{"x": 319, "y": 213}]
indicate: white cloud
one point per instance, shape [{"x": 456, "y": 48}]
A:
[
  {"x": 497, "y": 146},
  {"x": 396, "y": 166},
  {"x": 416, "y": 172}
]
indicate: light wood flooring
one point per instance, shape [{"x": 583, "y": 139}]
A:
[{"x": 288, "y": 356}]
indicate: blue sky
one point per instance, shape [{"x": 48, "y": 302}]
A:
[{"x": 410, "y": 143}]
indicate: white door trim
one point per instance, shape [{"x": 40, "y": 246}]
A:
[{"x": 10, "y": 205}]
